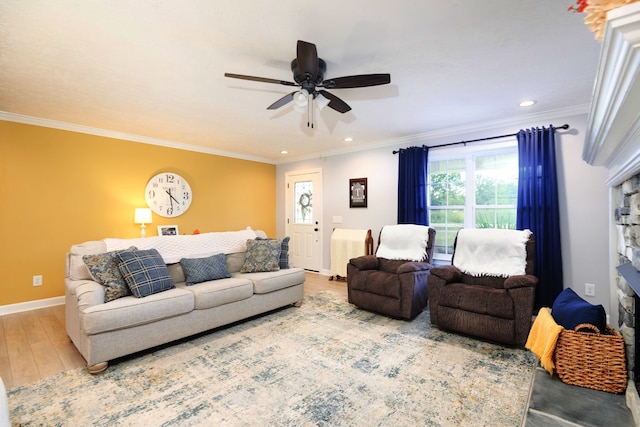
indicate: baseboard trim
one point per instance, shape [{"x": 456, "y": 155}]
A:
[{"x": 30, "y": 305}]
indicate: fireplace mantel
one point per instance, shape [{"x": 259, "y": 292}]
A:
[{"x": 613, "y": 130}]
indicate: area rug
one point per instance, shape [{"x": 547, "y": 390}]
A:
[{"x": 326, "y": 363}]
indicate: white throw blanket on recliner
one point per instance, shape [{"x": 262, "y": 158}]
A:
[
  {"x": 492, "y": 252},
  {"x": 403, "y": 242}
]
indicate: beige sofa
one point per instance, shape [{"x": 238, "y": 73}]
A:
[{"x": 103, "y": 331}]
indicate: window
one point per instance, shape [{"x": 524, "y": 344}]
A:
[
  {"x": 471, "y": 187},
  {"x": 302, "y": 194}
]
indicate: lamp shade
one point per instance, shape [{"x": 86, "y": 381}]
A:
[{"x": 142, "y": 216}]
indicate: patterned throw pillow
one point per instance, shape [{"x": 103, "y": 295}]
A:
[
  {"x": 284, "y": 252},
  {"x": 197, "y": 270},
  {"x": 145, "y": 272},
  {"x": 262, "y": 255},
  {"x": 104, "y": 269}
]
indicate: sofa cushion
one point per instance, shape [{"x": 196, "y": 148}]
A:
[
  {"x": 477, "y": 299},
  {"x": 235, "y": 261},
  {"x": 145, "y": 272},
  {"x": 262, "y": 255},
  {"x": 265, "y": 282},
  {"x": 570, "y": 310},
  {"x": 219, "y": 292},
  {"x": 131, "y": 311},
  {"x": 104, "y": 270},
  {"x": 197, "y": 270}
]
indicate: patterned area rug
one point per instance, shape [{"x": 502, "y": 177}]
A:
[{"x": 325, "y": 363}]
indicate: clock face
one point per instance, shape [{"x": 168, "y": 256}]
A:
[{"x": 168, "y": 194}]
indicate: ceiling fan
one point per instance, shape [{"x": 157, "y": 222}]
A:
[{"x": 308, "y": 74}]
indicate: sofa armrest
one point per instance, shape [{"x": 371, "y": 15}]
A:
[
  {"x": 365, "y": 262},
  {"x": 88, "y": 293},
  {"x": 521, "y": 281},
  {"x": 448, "y": 273},
  {"x": 412, "y": 267}
]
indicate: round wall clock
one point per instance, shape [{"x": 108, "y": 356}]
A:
[{"x": 168, "y": 194}]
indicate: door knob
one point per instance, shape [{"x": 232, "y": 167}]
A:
[{"x": 315, "y": 229}]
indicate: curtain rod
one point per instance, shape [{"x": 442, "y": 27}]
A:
[{"x": 564, "y": 126}]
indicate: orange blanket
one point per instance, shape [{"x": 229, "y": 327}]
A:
[{"x": 543, "y": 337}]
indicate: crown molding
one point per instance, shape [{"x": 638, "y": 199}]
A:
[
  {"x": 36, "y": 121},
  {"x": 458, "y": 131},
  {"x": 613, "y": 128},
  {"x": 400, "y": 142}
]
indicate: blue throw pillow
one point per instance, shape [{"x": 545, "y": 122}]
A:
[
  {"x": 569, "y": 310},
  {"x": 145, "y": 272},
  {"x": 197, "y": 270}
]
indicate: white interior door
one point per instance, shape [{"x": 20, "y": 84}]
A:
[{"x": 304, "y": 211}]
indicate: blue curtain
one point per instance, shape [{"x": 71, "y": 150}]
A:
[
  {"x": 412, "y": 185},
  {"x": 538, "y": 208}
]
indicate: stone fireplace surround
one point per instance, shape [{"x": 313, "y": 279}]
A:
[
  {"x": 627, "y": 220},
  {"x": 613, "y": 141}
]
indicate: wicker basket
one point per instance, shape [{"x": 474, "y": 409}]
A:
[{"x": 591, "y": 359}]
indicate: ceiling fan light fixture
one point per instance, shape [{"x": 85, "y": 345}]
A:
[
  {"x": 321, "y": 101},
  {"x": 301, "y": 98}
]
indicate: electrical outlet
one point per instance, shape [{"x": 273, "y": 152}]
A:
[
  {"x": 590, "y": 289},
  {"x": 37, "y": 280}
]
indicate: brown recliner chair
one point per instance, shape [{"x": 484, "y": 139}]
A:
[
  {"x": 393, "y": 282},
  {"x": 489, "y": 290}
]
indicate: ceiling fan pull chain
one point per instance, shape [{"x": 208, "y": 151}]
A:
[{"x": 311, "y": 107}]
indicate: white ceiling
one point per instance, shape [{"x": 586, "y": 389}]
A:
[{"x": 155, "y": 68}]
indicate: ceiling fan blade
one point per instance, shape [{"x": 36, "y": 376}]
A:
[
  {"x": 282, "y": 101},
  {"x": 259, "y": 79},
  {"x": 308, "y": 59},
  {"x": 334, "y": 102},
  {"x": 362, "y": 80}
]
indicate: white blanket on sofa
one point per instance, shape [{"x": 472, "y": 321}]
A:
[
  {"x": 174, "y": 248},
  {"x": 493, "y": 252}
]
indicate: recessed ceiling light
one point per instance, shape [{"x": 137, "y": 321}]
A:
[
  {"x": 527, "y": 103},
  {"x": 284, "y": 152},
  {"x": 348, "y": 139}
]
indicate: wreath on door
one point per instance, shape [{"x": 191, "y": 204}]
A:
[{"x": 305, "y": 203}]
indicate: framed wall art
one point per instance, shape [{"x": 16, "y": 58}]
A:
[
  {"x": 168, "y": 230},
  {"x": 358, "y": 193}
]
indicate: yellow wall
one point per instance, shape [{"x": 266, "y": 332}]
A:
[{"x": 58, "y": 188}]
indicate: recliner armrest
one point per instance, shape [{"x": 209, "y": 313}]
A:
[
  {"x": 520, "y": 281},
  {"x": 413, "y": 266},
  {"x": 365, "y": 262},
  {"x": 448, "y": 273}
]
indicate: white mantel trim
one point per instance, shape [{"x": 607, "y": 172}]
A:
[{"x": 613, "y": 131}]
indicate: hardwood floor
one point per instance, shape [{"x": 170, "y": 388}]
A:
[{"x": 34, "y": 344}]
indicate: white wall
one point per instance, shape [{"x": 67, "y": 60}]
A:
[{"x": 584, "y": 200}]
